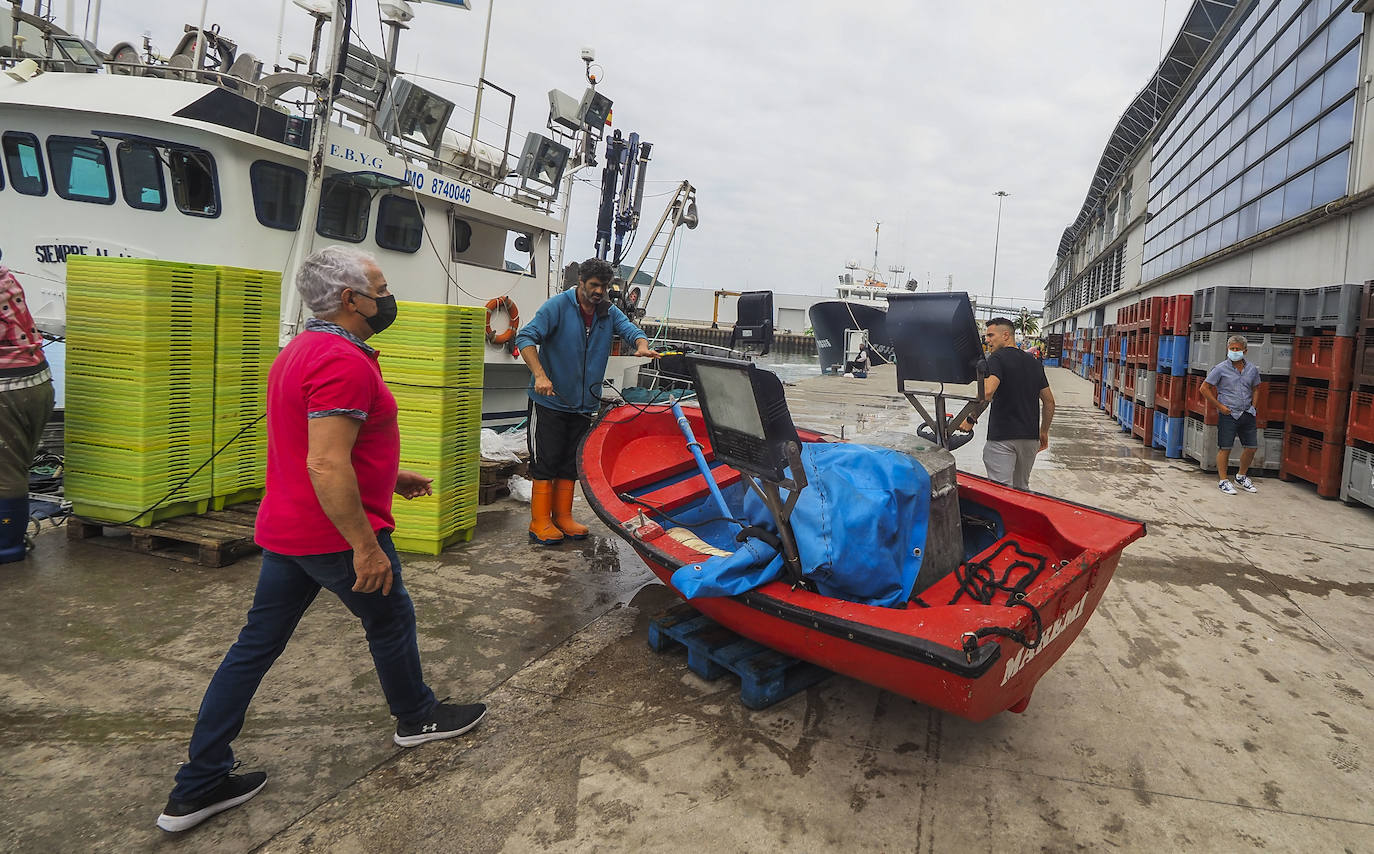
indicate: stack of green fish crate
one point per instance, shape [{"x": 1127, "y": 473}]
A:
[
  {"x": 432, "y": 358},
  {"x": 245, "y": 345},
  {"x": 140, "y": 367}
]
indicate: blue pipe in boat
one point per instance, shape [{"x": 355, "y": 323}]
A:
[{"x": 695, "y": 447}]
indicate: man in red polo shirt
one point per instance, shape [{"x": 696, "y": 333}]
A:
[{"x": 333, "y": 462}]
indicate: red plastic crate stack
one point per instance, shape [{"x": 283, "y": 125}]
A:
[
  {"x": 1271, "y": 402},
  {"x": 1143, "y": 423},
  {"x": 1308, "y": 458},
  {"x": 1360, "y": 417},
  {"x": 1323, "y": 400},
  {"x": 1171, "y": 394},
  {"x": 1177, "y": 315},
  {"x": 1195, "y": 403},
  {"x": 1146, "y": 321}
]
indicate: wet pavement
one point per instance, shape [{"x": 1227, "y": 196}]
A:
[{"x": 1219, "y": 699}]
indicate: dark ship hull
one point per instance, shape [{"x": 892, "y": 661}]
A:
[{"x": 830, "y": 320}]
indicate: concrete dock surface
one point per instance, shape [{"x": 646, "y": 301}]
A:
[{"x": 1220, "y": 698}]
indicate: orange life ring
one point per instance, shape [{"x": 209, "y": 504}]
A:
[{"x": 507, "y": 305}]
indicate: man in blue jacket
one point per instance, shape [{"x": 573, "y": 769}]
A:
[{"x": 566, "y": 346}]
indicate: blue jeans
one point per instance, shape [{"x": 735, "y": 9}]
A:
[{"x": 287, "y": 584}]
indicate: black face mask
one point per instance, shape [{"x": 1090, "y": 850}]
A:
[{"x": 386, "y": 312}]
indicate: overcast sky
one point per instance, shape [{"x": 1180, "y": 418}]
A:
[{"x": 800, "y": 123}]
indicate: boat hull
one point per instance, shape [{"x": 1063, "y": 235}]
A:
[
  {"x": 919, "y": 653},
  {"x": 831, "y": 318}
]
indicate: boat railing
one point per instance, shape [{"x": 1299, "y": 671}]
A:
[{"x": 464, "y": 166}]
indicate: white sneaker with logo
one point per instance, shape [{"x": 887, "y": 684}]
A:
[
  {"x": 1243, "y": 481},
  {"x": 1226, "y": 487}
]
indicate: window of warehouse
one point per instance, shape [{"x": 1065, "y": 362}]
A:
[
  {"x": 81, "y": 169},
  {"x": 344, "y": 210},
  {"x": 1264, "y": 136},
  {"x": 194, "y": 186},
  {"x": 400, "y": 224},
  {"x": 140, "y": 176},
  {"x": 24, "y": 162},
  {"x": 278, "y": 194}
]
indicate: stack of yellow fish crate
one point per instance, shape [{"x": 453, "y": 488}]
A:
[
  {"x": 432, "y": 358},
  {"x": 167, "y": 366},
  {"x": 139, "y": 386},
  {"x": 246, "y": 324}
]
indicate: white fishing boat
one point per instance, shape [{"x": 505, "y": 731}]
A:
[{"x": 200, "y": 156}]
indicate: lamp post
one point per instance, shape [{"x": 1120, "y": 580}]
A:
[{"x": 997, "y": 237}]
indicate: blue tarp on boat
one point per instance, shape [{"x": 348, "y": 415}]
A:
[{"x": 860, "y": 525}]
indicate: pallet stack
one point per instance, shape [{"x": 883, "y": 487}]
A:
[
  {"x": 1111, "y": 368},
  {"x": 1314, "y": 406},
  {"x": 1099, "y": 364},
  {"x": 1267, "y": 317},
  {"x": 1357, "y": 474},
  {"x": 1142, "y": 354},
  {"x": 432, "y": 359},
  {"x": 1171, "y": 370},
  {"x": 139, "y": 388},
  {"x": 1319, "y": 395},
  {"x": 1054, "y": 349},
  {"x": 246, "y": 334}
]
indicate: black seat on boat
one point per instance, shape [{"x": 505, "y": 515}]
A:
[{"x": 753, "y": 322}]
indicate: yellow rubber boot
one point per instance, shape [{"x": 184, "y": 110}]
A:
[
  {"x": 562, "y": 510},
  {"x": 542, "y": 529}
]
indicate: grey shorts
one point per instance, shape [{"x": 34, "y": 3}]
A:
[{"x": 1009, "y": 461}]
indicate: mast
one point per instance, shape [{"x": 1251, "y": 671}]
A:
[
  {"x": 877, "y": 229},
  {"x": 305, "y": 240}
]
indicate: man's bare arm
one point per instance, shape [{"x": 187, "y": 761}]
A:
[
  {"x": 1046, "y": 416},
  {"x": 329, "y": 463}
]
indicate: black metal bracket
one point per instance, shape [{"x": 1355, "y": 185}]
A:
[
  {"x": 782, "y": 508},
  {"x": 940, "y": 427}
]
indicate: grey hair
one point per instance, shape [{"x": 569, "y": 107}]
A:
[
  {"x": 1238, "y": 339},
  {"x": 326, "y": 273}
]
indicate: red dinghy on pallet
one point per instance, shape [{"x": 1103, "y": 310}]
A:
[
  {"x": 915, "y": 652},
  {"x": 997, "y": 586}
]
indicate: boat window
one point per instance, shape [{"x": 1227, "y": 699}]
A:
[
  {"x": 400, "y": 224},
  {"x": 193, "y": 182},
  {"x": 81, "y": 169},
  {"x": 140, "y": 176},
  {"x": 344, "y": 209},
  {"x": 278, "y": 194},
  {"x": 24, "y": 161},
  {"x": 461, "y": 238}
]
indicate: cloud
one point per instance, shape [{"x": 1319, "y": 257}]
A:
[{"x": 800, "y": 123}]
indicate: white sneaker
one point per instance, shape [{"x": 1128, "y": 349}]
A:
[
  {"x": 1243, "y": 481},
  {"x": 1226, "y": 487}
]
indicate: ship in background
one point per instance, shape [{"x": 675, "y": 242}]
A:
[{"x": 857, "y": 314}]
